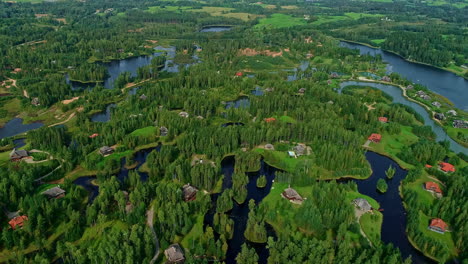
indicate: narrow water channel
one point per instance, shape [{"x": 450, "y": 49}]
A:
[
  {"x": 443, "y": 82},
  {"x": 398, "y": 97},
  {"x": 15, "y": 127}
]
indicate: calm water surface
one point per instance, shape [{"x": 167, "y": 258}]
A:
[{"x": 15, "y": 126}]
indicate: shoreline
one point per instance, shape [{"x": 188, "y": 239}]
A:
[
  {"x": 428, "y": 109},
  {"x": 408, "y": 60}
]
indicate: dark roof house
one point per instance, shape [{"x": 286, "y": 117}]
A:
[
  {"x": 190, "y": 192},
  {"x": 362, "y": 204},
  {"x": 302, "y": 90},
  {"x": 292, "y": 196},
  {"x": 163, "y": 131},
  {"x": 174, "y": 254},
  {"x": 439, "y": 116},
  {"x": 55, "y": 192},
  {"x": 106, "y": 150},
  {"x": 18, "y": 154}
]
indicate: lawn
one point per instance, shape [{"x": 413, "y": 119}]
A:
[
  {"x": 156, "y": 9},
  {"x": 322, "y": 19},
  {"x": 371, "y": 225},
  {"x": 145, "y": 132},
  {"x": 442, "y": 238},
  {"x": 378, "y": 41},
  {"x": 8, "y": 110},
  {"x": 393, "y": 144},
  {"x": 195, "y": 232},
  {"x": 226, "y": 12},
  {"x": 280, "y": 21}
]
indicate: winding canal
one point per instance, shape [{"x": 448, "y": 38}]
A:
[
  {"x": 398, "y": 97},
  {"x": 443, "y": 82}
]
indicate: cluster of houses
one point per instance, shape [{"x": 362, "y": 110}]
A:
[
  {"x": 423, "y": 95},
  {"x": 460, "y": 124},
  {"x": 17, "y": 221}
]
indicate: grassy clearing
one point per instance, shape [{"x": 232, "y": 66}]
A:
[
  {"x": 156, "y": 9},
  {"x": 8, "y": 110},
  {"x": 144, "y": 132},
  {"x": 378, "y": 41},
  {"x": 95, "y": 233},
  {"x": 371, "y": 225},
  {"x": 195, "y": 232},
  {"x": 424, "y": 196},
  {"x": 226, "y": 12},
  {"x": 280, "y": 21},
  {"x": 350, "y": 15},
  {"x": 393, "y": 144},
  {"x": 45, "y": 187},
  {"x": 445, "y": 239}
]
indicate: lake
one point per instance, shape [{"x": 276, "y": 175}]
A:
[
  {"x": 215, "y": 29},
  {"x": 103, "y": 116},
  {"x": 398, "y": 97},
  {"x": 443, "y": 82},
  {"x": 15, "y": 126}
]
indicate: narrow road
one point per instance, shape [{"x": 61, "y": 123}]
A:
[
  {"x": 149, "y": 222},
  {"x": 63, "y": 122}
]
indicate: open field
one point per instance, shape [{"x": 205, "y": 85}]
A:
[
  {"x": 371, "y": 225},
  {"x": 280, "y": 21},
  {"x": 226, "y": 12},
  {"x": 350, "y": 15}
]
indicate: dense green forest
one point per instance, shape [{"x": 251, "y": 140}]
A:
[{"x": 263, "y": 93}]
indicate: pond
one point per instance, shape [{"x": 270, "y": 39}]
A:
[
  {"x": 239, "y": 213},
  {"x": 140, "y": 157},
  {"x": 215, "y": 28},
  {"x": 15, "y": 126},
  {"x": 443, "y": 82},
  {"x": 398, "y": 97},
  {"x": 103, "y": 116},
  {"x": 131, "y": 65},
  {"x": 241, "y": 102},
  {"x": 394, "y": 214},
  {"x": 232, "y": 124}
]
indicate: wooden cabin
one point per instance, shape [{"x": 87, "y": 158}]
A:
[
  {"x": 174, "y": 254},
  {"x": 292, "y": 196}
]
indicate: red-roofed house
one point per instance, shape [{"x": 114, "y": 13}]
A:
[
  {"x": 446, "y": 167},
  {"x": 239, "y": 74},
  {"x": 270, "y": 119},
  {"x": 438, "y": 225},
  {"x": 18, "y": 221},
  {"x": 428, "y": 166},
  {"x": 383, "y": 119},
  {"x": 94, "y": 135},
  {"x": 375, "y": 137},
  {"x": 433, "y": 187}
]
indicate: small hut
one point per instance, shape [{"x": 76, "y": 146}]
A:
[
  {"x": 409, "y": 87},
  {"x": 375, "y": 137},
  {"x": 386, "y": 79},
  {"x": 163, "y": 131},
  {"x": 436, "y": 104},
  {"x": 35, "y": 101},
  {"x": 17, "y": 155},
  {"x": 143, "y": 97},
  {"x": 190, "y": 192},
  {"x": 433, "y": 188},
  {"x": 269, "y": 147},
  {"x": 269, "y": 89},
  {"x": 184, "y": 114},
  {"x": 300, "y": 149},
  {"x": 200, "y": 117},
  {"x": 452, "y": 112},
  {"x": 362, "y": 204},
  {"x": 55, "y": 192},
  {"x": 174, "y": 254},
  {"x": 302, "y": 90},
  {"x": 106, "y": 150},
  {"x": 383, "y": 119},
  {"x": 292, "y": 196}
]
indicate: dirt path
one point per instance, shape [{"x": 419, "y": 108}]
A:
[
  {"x": 63, "y": 122},
  {"x": 149, "y": 222},
  {"x": 366, "y": 145}
]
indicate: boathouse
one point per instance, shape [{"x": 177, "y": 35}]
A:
[
  {"x": 190, "y": 192},
  {"x": 18, "y": 221},
  {"x": 362, "y": 204},
  {"x": 446, "y": 167},
  {"x": 55, "y": 192},
  {"x": 433, "y": 188},
  {"x": 174, "y": 254},
  {"x": 375, "y": 137},
  {"x": 106, "y": 150},
  {"x": 17, "y": 155},
  {"x": 292, "y": 196},
  {"x": 438, "y": 225}
]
